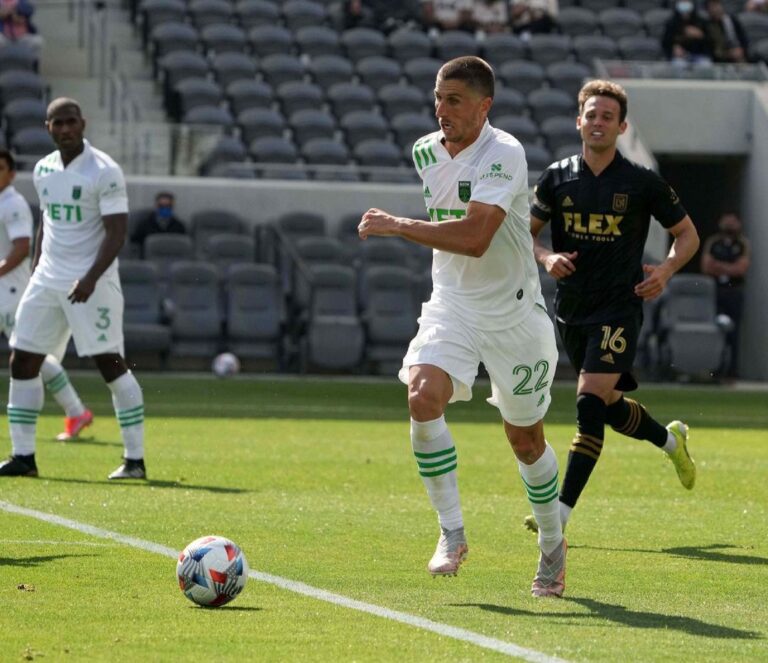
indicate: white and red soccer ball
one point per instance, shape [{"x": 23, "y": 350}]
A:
[
  {"x": 225, "y": 365},
  {"x": 212, "y": 571}
]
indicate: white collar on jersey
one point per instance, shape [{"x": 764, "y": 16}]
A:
[
  {"x": 468, "y": 151},
  {"x": 84, "y": 154}
]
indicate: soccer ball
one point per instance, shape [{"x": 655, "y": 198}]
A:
[
  {"x": 225, "y": 365},
  {"x": 212, "y": 571}
]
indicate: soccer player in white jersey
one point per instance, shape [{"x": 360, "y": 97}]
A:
[
  {"x": 15, "y": 236},
  {"x": 75, "y": 287},
  {"x": 486, "y": 305}
]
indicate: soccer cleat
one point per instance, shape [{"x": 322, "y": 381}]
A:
[
  {"x": 681, "y": 459},
  {"x": 451, "y": 551},
  {"x": 550, "y": 576},
  {"x": 19, "y": 466},
  {"x": 530, "y": 524},
  {"x": 74, "y": 425},
  {"x": 130, "y": 469}
]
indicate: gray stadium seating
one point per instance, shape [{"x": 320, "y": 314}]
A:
[{"x": 206, "y": 223}]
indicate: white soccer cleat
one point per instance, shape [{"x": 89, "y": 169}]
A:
[
  {"x": 550, "y": 576},
  {"x": 451, "y": 551}
]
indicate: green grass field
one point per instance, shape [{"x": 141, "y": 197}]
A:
[{"x": 316, "y": 482}]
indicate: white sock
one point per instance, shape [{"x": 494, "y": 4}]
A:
[
  {"x": 565, "y": 513},
  {"x": 57, "y": 383},
  {"x": 540, "y": 480},
  {"x": 25, "y": 400},
  {"x": 671, "y": 444},
  {"x": 436, "y": 457},
  {"x": 129, "y": 408}
]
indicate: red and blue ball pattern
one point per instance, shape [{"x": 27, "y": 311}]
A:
[{"x": 212, "y": 571}]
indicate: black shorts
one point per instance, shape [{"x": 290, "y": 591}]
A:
[{"x": 608, "y": 347}]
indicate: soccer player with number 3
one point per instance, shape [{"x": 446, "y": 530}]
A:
[
  {"x": 486, "y": 305},
  {"x": 599, "y": 205},
  {"x": 75, "y": 286}
]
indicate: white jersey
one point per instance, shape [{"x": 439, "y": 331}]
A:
[
  {"x": 497, "y": 290},
  {"x": 73, "y": 201},
  {"x": 15, "y": 223}
]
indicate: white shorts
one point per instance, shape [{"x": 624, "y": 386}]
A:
[
  {"x": 520, "y": 361},
  {"x": 45, "y": 318}
]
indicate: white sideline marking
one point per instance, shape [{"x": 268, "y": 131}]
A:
[
  {"x": 454, "y": 632},
  {"x": 46, "y": 542}
]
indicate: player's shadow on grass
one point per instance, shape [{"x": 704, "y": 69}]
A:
[
  {"x": 93, "y": 441},
  {"x": 227, "y": 608},
  {"x": 35, "y": 560},
  {"x": 710, "y": 553},
  {"x": 153, "y": 483},
  {"x": 618, "y": 614}
]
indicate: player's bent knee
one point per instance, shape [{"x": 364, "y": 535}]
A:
[
  {"x": 111, "y": 366},
  {"x": 25, "y": 365},
  {"x": 527, "y": 442}
]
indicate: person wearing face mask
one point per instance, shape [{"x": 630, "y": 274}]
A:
[
  {"x": 726, "y": 256},
  {"x": 160, "y": 220},
  {"x": 685, "y": 39}
]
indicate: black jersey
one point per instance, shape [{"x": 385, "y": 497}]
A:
[{"x": 606, "y": 220}]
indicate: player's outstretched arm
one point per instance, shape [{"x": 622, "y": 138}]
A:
[{"x": 469, "y": 236}]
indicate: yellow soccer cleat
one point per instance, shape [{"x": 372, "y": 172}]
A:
[{"x": 681, "y": 459}]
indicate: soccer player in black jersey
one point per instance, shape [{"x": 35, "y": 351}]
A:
[{"x": 599, "y": 205}]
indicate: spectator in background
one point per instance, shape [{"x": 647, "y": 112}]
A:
[
  {"x": 685, "y": 39},
  {"x": 491, "y": 16},
  {"x": 441, "y": 15},
  {"x": 726, "y": 256},
  {"x": 534, "y": 16},
  {"x": 757, "y": 6},
  {"x": 384, "y": 15},
  {"x": 16, "y": 24},
  {"x": 161, "y": 220},
  {"x": 729, "y": 41}
]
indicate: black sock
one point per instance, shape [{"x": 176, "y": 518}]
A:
[
  {"x": 630, "y": 418},
  {"x": 585, "y": 448}
]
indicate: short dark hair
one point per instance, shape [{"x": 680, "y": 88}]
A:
[
  {"x": 62, "y": 102},
  {"x": 600, "y": 88},
  {"x": 164, "y": 194},
  {"x": 472, "y": 70},
  {"x": 8, "y": 158}
]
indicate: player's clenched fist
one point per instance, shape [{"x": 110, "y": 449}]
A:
[{"x": 377, "y": 222}]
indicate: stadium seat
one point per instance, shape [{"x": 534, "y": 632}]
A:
[
  {"x": 155, "y": 12},
  {"x": 408, "y": 127},
  {"x": 255, "y": 314},
  {"x": 759, "y": 51},
  {"x": 194, "y": 310},
  {"x": 501, "y": 47},
  {"x": 144, "y": 328},
  {"x": 521, "y": 127},
  {"x": 194, "y": 92},
  {"x": 691, "y": 341},
  {"x": 309, "y": 253},
  {"x": 316, "y": 40},
  {"x": 640, "y": 48},
  {"x": 172, "y": 36},
  {"x": 359, "y": 126},
  {"x": 21, "y": 113},
  {"x": 522, "y": 75},
  {"x": 210, "y": 12},
  {"x": 281, "y": 68},
  {"x": 507, "y": 102},
  {"x": 455, "y": 43},
  {"x": 405, "y": 45},
  {"x": 388, "y": 316},
  {"x": 549, "y": 102},
  {"x": 229, "y": 67},
  {"x": 223, "y": 38},
  {"x": 589, "y": 48},
  {"x": 227, "y": 150},
  {"x": 383, "y": 252},
  {"x": 537, "y": 156},
  {"x": 401, "y": 98},
  {"x": 252, "y": 13},
  {"x": 177, "y": 66},
  {"x": 309, "y": 124},
  {"x": 421, "y": 72},
  {"x": 270, "y": 40},
  {"x": 360, "y": 43},
  {"x": 282, "y": 235},
  {"x": 545, "y": 49},
  {"x": 275, "y": 150},
  {"x": 755, "y": 24},
  {"x": 576, "y": 21},
  {"x": 258, "y": 122},
  {"x": 20, "y": 84},
  {"x": 223, "y": 250},
  {"x": 299, "y": 95},
  {"x": 31, "y": 142},
  {"x": 334, "y": 334},
  {"x": 206, "y": 223},
  {"x": 559, "y": 130},
  {"x": 328, "y": 70},
  {"x": 328, "y": 152},
  {"x": 299, "y": 14},
  {"x": 382, "y": 156},
  {"x": 214, "y": 116},
  {"x": 376, "y": 71},
  {"x": 655, "y": 20},
  {"x": 618, "y": 22},
  {"x": 244, "y": 94},
  {"x": 17, "y": 56},
  {"x": 645, "y": 5},
  {"x": 164, "y": 249},
  {"x": 598, "y": 5},
  {"x": 568, "y": 76},
  {"x": 347, "y": 97}
]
